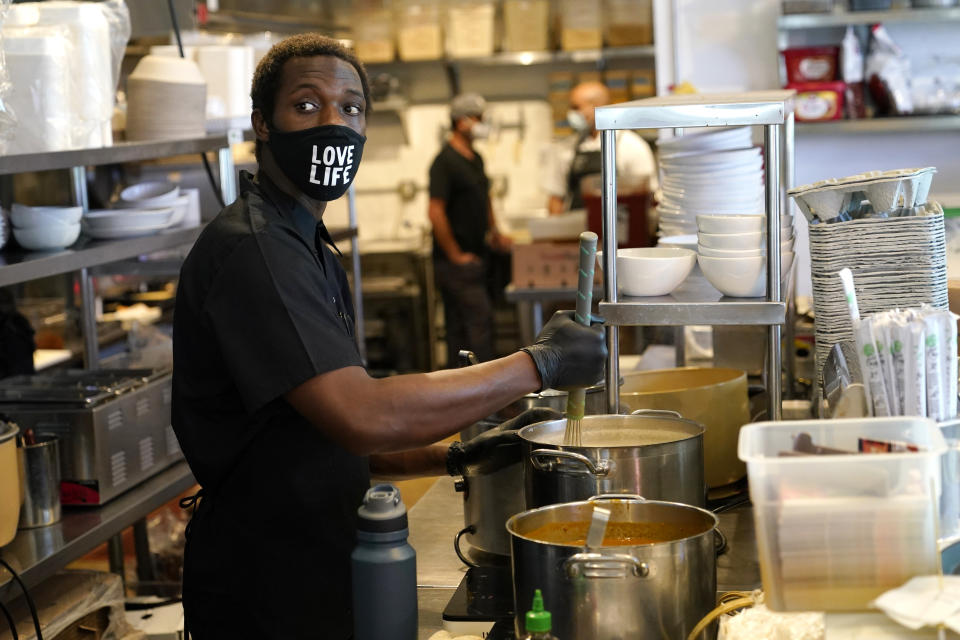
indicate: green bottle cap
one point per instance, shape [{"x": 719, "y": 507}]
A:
[{"x": 538, "y": 620}]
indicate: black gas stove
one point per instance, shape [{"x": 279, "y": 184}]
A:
[{"x": 484, "y": 597}]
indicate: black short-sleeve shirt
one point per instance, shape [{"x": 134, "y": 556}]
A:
[
  {"x": 263, "y": 306},
  {"x": 463, "y": 186}
]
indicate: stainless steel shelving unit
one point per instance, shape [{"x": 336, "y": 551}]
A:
[
  {"x": 842, "y": 17},
  {"x": 695, "y": 303},
  {"x": 902, "y": 124},
  {"x": 37, "y": 554},
  {"x": 117, "y": 153},
  {"x": 524, "y": 58}
]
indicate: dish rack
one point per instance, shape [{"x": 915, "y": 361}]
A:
[{"x": 772, "y": 110}]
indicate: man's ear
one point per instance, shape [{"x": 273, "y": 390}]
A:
[{"x": 259, "y": 125}]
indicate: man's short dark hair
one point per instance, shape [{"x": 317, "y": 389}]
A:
[{"x": 266, "y": 79}]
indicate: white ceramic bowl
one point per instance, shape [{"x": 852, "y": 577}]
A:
[
  {"x": 26, "y": 217},
  {"x": 733, "y": 223},
  {"x": 150, "y": 194},
  {"x": 651, "y": 271},
  {"x": 736, "y": 241},
  {"x": 744, "y": 277},
  {"x": 682, "y": 241},
  {"x": 55, "y": 236},
  {"x": 785, "y": 246}
]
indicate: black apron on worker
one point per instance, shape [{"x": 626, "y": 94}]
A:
[
  {"x": 263, "y": 306},
  {"x": 584, "y": 163}
]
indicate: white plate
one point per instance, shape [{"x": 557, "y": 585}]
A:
[
  {"x": 128, "y": 232},
  {"x": 127, "y": 219},
  {"x": 706, "y": 139}
]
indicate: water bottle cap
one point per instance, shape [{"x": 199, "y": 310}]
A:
[
  {"x": 382, "y": 510},
  {"x": 538, "y": 620}
]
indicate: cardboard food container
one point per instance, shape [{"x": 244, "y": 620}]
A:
[
  {"x": 547, "y": 265},
  {"x": 818, "y": 101}
]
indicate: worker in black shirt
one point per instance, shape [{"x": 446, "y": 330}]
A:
[
  {"x": 464, "y": 231},
  {"x": 275, "y": 413}
]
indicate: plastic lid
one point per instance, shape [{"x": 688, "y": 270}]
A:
[
  {"x": 382, "y": 510},
  {"x": 538, "y": 620}
]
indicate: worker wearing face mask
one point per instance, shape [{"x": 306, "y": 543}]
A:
[
  {"x": 564, "y": 173},
  {"x": 464, "y": 231}
]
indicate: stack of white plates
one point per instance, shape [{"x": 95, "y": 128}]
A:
[
  {"x": 712, "y": 172},
  {"x": 143, "y": 209},
  {"x": 896, "y": 262}
]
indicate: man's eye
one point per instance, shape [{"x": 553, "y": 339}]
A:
[
  {"x": 353, "y": 110},
  {"x": 306, "y": 107}
]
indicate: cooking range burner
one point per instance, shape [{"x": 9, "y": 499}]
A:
[{"x": 485, "y": 596}]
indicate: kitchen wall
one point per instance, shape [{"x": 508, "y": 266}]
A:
[{"x": 511, "y": 156}]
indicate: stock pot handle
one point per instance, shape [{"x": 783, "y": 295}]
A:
[
  {"x": 666, "y": 413},
  {"x": 599, "y": 565},
  {"x": 545, "y": 460},
  {"x": 632, "y": 497}
]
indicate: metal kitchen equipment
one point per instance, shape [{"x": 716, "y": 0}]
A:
[
  {"x": 41, "y": 482},
  {"x": 658, "y": 590},
  {"x": 697, "y": 305},
  {"x": 656, "y": 454},
  {"x": 113, "y": 425},
  {"x": 715, "y": 397}
]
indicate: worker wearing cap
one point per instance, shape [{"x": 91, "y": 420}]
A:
[
  {"x": 464, "y": 231},
  {"x": 565, "y": 171}
]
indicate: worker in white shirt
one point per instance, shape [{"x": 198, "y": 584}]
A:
[{"x": 565, "y": 170}]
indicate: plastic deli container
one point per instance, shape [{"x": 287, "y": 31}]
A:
[
  {"x": 818, "y": 101},
  {"x": 811, "y": 64},
  {"x": 836, "y": 530}
]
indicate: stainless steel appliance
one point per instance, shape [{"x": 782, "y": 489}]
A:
[
  {"x": 657, "y": 589},
  {"x": 113, "y": 425}
]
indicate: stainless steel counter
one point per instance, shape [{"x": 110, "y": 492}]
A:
[{"x": 437, "y": 517}]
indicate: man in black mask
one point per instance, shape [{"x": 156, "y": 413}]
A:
[{"x": 276, "y": 415}]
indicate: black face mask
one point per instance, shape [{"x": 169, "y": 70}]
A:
[{"x": 321, "y": 161}]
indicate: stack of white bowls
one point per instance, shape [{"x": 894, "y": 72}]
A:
[
  {"x": 143, "y": 209},
  {"x": 732, "y": 252},
  {"x": 45, "y": 228},
  {"x": 709, "y": 172},
  {"x": 166, "y": 99}
]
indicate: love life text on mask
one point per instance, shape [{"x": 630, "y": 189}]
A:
[{"x": 336, "y": 163}]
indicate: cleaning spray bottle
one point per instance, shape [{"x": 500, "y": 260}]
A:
[{"x": 538, "y": 621}]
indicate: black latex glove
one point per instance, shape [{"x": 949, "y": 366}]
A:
[
  {"x": 568, "y": 354},
  {"x": 496, "y": 448}
]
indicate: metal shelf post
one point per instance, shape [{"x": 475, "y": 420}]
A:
[
  {"x": 609, "y": 153},
  {"x": 355, "y": 263},
  {"x": 772, "y": 140}
]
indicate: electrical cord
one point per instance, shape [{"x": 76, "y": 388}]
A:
[
  {"x": 206, "y": 163},
  {"x": 13, "y": 626},
  {"x": 26, "y": 595}
]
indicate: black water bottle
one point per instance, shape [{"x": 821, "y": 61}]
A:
[{"x": 384, "y": 569}]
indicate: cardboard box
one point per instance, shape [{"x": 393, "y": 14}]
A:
[
  {"x": 642, "y": 84},
  {"x": 546, "y": 265},
  {"x": 618, "y": 83}
]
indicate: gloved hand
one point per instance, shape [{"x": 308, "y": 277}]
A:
[
  {"x": 496, "y": 448},
  {"x": 568, "y": 354}
]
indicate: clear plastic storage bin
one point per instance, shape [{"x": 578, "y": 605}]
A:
[
  {"x": 470, "y": 28},
  {"x": 526, "y": 25},
  {"x": 836, "y": 530},
  {"x": 419, "y": 30},
  {"x": 581, "y": 25}
]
